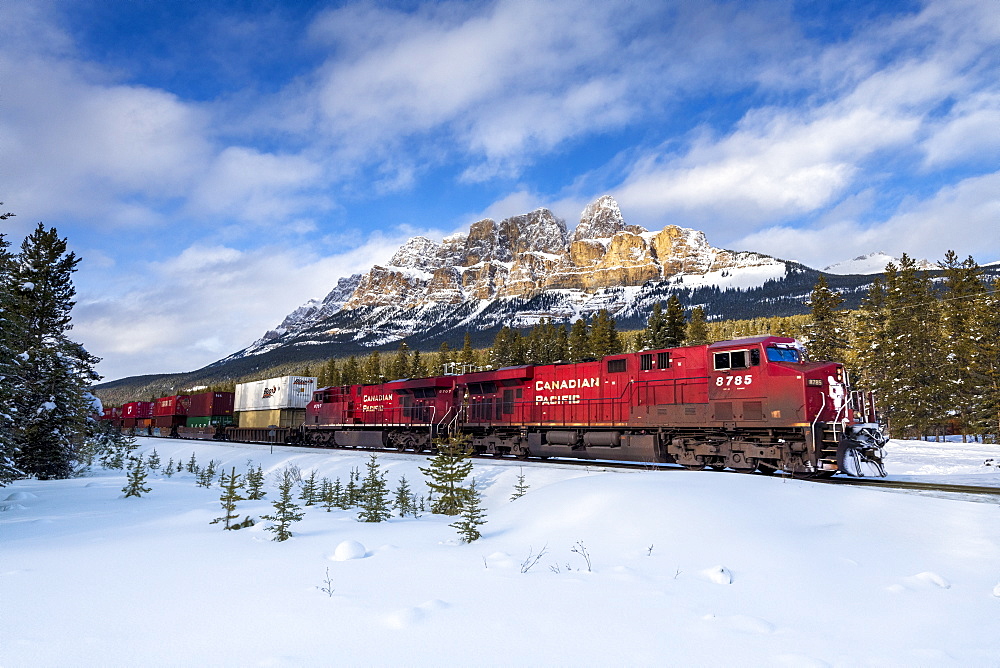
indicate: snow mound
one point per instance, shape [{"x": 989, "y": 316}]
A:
[
  {"x": 996, "y": 590},
  {"x": 347, "y": 550},
  {"x": 930, "y": 578},
  {"x": 407, "y": 617},
  {"x": 20, "y": 496},
  {"x": 719, "y": 575},
  {"x": 11, "y": 505}
]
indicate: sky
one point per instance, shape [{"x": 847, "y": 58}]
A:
[{"x": 215, "y": 165}]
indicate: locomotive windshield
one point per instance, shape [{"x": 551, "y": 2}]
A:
[{"x": 781, "y": 354}]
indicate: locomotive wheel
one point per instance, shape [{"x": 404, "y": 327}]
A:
[
  {"x": 718, "y": 466},
  {"x": 693, "y": 467}
]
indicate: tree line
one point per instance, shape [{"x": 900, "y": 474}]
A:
[{"x": 927, "y": 345}]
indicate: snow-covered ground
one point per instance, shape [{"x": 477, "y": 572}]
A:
[{"x": 688, "y": 569}]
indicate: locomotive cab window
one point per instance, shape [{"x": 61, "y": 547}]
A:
[
  {"x": 617, "y": 366},
  {"x": 736, "y": 359},
  {"x": 776, "y": 354}
]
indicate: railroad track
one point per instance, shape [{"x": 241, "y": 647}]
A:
[{"x": 987, "y": 494}]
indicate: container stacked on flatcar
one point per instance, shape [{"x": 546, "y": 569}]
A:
[
  {"x": 169, "y": 413},
  {"x": 138, "y": 416},
  {"x": 271, "y": 410},
  {"x": 208, "y": 414}
]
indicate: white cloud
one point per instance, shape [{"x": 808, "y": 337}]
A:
[
  {"x": 206, "y": 302},
  {"x": 964, "y": 217}
]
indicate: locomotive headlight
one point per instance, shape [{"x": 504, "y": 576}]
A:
[{"x": 815, "y": 382}]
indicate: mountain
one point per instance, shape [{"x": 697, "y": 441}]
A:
[
  {"x": 529, "y": 267},
  {"x": 872, "y": 263}
]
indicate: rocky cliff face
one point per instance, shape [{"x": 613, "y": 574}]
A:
[
  {"x": 527, "y": 255},
  {"x": 514, "y": 272}
]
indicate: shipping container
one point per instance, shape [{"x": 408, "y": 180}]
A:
[
  {"x": 137, "y": 410},
  {"x": 210, "y": 421},
  {"x": 176, "y": 405},
  {"x": 275, "y": 393},
  {"x": 211, "y": 403},
  {"x": 169, "y": 421},
  {"x": 282, "y": 417}
]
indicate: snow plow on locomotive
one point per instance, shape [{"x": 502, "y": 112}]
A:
[{"x": 747, "y": 404}]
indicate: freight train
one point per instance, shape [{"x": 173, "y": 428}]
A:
[{"x": 752, "y": 404}]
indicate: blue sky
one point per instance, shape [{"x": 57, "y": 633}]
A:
[{"x": 217, "y": 164}]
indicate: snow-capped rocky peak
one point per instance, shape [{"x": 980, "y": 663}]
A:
[
  {"x": 602, "y": 219},
  {"x": 417, "y": 253},
  {"x": 872, "y": 263},
  {"x": 536, "y": 232}
]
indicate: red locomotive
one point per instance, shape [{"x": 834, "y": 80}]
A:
[{"x": 746, "y": 404}]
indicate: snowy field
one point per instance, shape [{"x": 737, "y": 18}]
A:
[{"x": 688, "y": 569}]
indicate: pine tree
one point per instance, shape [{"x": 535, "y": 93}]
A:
[
  {"x": 11, "y": 331},
  {"x": 655, "y": 334},
  {"x": 399, "y": 365},
  {"x": 467, "y": 356},
  {"x": 403, "y": 497},
  {"x": 520, "y": 487},
  {"x": 446, "y": 471},
  {"x": 913, "y": 346},
  {"x": 326, "y": 495},
  {"x": 353, "y": 491},
  {"x": 374, "y": 494},
  {"x": 340, "y": 495},
  {"x": 697, "y": 328},
  {"x": 136, "y": 485},
  {"x": 604, "y": 338},
  {"x": 418, "y": 369},
  {"x": 986, "y": 364},
  {"x": 255, "y": 483},
  {"x": 827, "y": 333},
  {"x": 51, "y": 385},
  {"x": 154, "y": 461},
  {"x": 675, "y": 325},
  {"x": 473, "y": 515},
  {"x": 964, "y": 289},
  {"x": 372, "y": 369},
  {"x": 309, "y": 492},
  {"x": 351, "y": 374},
  {"x": 579, "y": 341},
  {"x": 192, "y": 465},
  {"x": 231, "y": 486},
  {"x": 168, "y": 470},
  {"x": 286, "y": 512}
]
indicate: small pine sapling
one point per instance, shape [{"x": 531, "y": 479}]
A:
[
  {"x": 192, "y": 465},
  {"x": 446, "y": 471},
  {"x": 326, "y": 495},
  {"x": 309, "y": 493},
  {"x": 180, "y": 466},
  {"x": 136, "y": 482},
  {"x": 353, "y": 492},
  {"x": 339, "y": 494},
  {"x": 521, "y": 487},
  {"x": 286, "y": 512},
  {"x": 403, "y": 498},
  {"x": 168, "y": 470},
  {"x": 473, "y": 516},
  {"x": 205, "y": 476},
  {"x": 374, "y": 494},
  {"x": 230, "y": 495},
  {"x": 255, "y": 483},
  {"x": 154, "y": 462}
]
